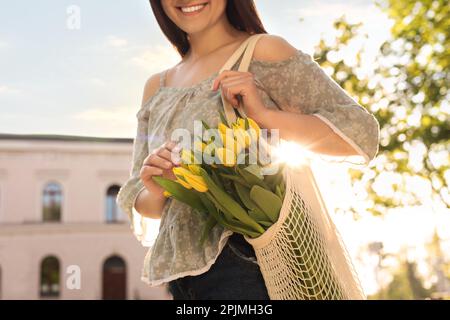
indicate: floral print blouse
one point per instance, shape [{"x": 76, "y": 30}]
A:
[{"x": 296, "y": 84}]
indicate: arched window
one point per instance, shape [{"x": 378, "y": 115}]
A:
[
  {"x": 114, "y": 279},
  {"x": 113, "y": 212},
  {"x": 52, "y": 202},
  {"x": 50, "y": 277}
]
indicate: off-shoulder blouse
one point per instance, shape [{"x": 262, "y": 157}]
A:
[{"x": 296, "y": 84}]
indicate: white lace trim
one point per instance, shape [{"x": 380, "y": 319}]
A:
[
  {"x": 153, "y": 283},
  {"x": 365, "y": 156}
]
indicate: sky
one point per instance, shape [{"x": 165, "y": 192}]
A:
[
  {"x": 57, "y": 77},
  {"x": 61, "y": 77}
]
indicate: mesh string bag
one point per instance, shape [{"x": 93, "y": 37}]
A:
[{"x": 302, "y": 255}]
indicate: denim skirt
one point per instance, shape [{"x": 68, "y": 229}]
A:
[{"x": 235, "y": 275}]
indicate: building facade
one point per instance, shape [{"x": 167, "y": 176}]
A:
[{"x": 62, "y": 235}]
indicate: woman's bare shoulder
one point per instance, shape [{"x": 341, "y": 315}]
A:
[
  {"x": 151, "y": 86},
  {"x": 273, "y": 48}
]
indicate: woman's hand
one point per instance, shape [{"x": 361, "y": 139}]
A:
[
  {"x": 160, "y": 163},
  {"x": 233, "y": 83}
]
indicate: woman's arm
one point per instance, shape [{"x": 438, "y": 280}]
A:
[
  {"x": 150, "y": 204},
  {"x": 315, "y": 111},
  {"x": 309, "y": 131}
]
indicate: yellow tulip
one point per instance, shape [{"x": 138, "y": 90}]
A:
[
  {"x": 222, "y": 127},
  {"x": 187, "y": 156},
  {"x": 253, "y": 132},
  {"x": 227, "y": 139},
  {"x": 190, "y": 179},
  {"x": 240, "y": 123},
  {"x": 197, "y": 182},
  {"x": 166, "y": 194},
  {"x": 238, "y": 146},
  {"x": 194, "y": 168},
  {"x": 254, "y": 126},
  {"x": 229, "y": 142},
  {"x": 199, "y": 146},
  {"x": 183, "y": 165},
  {"x": 179, "y": 173},
  {"x": 226, "y": 157},
  {"x": 242, "y": 136},
  {"x": 208, "y": 151},
  {"x": 184, "y": 183}
]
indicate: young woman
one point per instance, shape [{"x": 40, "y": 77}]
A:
[{"x": 284, "y": 89}]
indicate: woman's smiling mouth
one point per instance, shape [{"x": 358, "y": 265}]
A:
[{"x": 192, "y": 9}]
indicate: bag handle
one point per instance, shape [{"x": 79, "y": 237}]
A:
[{"x": 248, "y": 46}]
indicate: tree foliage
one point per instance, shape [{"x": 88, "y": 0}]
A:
[
  {"x": 405, "y": 285},
  {"x": 408, "y": 94}
]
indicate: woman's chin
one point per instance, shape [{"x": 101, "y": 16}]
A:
[{"x": 193, "y": 29}]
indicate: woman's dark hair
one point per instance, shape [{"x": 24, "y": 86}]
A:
[{"x": 241, "y": 14}]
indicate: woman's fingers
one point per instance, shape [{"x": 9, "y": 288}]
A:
[
  {"x": 169, "y": 155},
  {"x": 232, "y": 89},
  {"x": 161, "y": 162},
  {"x": 228, "y": 74},
  {"x": 234, "y": 83},
  {"x": 146, "y": 174},
  {"x": 239, "y": 87},
  {"x": 171, "y": 151},
  {"x": 148, "y": 171},
  {"x": 157, "y": 161},
  {"x": 164, "y": 156}
]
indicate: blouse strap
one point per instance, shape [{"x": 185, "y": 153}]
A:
[
  {"x": 236, "y": 54},
  {"x": 248, "y": 53}
]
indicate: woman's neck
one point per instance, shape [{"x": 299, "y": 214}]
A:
[{"x": 207, "y": 41}]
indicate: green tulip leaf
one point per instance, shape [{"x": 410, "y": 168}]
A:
[
  {"x": 229, "y": 203},
  {"x": 180, "y": 193},
  {"x": 250, "y": 178},
  {"x": 235, "y": 178},
  {"x": 278, "y": 192},
  {"x": 266, "y": 224},
  {"x": 205, "y": 125},
  {"x": 244, "y": 195},
  {"x": 267, "y": 201},
  {"x": 255, "y": 170},
  {"x": 253, "y": 210},
  {"x": 231, "y": 226},
  {"x": 216, "y": 179},
  {"x": 210, "y": 223},
  {"x": 223, "y": 119},
  {"x": 258, "y": 215}
]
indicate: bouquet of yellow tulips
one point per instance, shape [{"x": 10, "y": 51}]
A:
[
  {"x": 231, "y": 188},
  {"x": 218, "y": 178}
]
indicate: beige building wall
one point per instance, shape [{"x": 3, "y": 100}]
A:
[{"x": 84, "y": 168}]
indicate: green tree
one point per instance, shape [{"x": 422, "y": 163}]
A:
[
  {"x": 408, "y": 93},
  {"x": 405, "y": 285}
]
